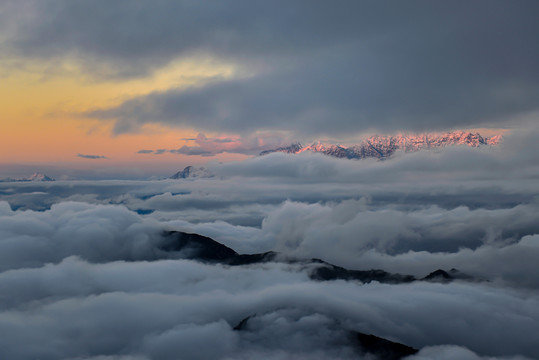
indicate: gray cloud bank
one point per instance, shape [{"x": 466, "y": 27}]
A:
[
  {"x": 68, "y": 288},
  {"x": 80, "y": 261},
  {"x": 314, "y": 67}
]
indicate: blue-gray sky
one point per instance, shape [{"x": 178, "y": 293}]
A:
[{"x": 314, "y": 68}]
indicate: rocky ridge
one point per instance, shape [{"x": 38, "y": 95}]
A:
[
  {"x": 201, "y": 248},
  {"x": 382, "y": 147}
]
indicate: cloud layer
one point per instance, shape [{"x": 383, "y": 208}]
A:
[
  {"x": 90, "y": 295},
  {"x": 309, "y": 68},
  {"x": 82, "y": 275}
]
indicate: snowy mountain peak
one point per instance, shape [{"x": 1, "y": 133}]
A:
[
  {"x": 192, "y": 172},
  {"x": 39, "y": 177},
  {"x": 34, "y": 177},
  {"x": 382, "y": 147},
  {"x": 493, "y": 140}
]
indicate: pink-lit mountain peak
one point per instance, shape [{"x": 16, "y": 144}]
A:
[{"x": 384, "y": 146}]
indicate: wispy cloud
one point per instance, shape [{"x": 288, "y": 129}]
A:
[
  {"x": 237, "y": 144},
  {"x": 93, "y": 157},
  {"x": 192, "y": 150}
]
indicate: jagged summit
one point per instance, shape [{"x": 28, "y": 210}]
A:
[
  {"x": 33, "y": 177},
  {"x": 382, "y": 147},
  {"x": 177, "y": 244}
]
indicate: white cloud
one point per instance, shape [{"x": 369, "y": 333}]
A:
[
  {"x": 156, "y": 308},
  {"x": 79, "y": 265}
]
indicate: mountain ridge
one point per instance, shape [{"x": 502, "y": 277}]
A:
[
  {"x": 382, "y": 147},
  {"x": 33, "y": 178},
  {"x": 201, "y": 248}
]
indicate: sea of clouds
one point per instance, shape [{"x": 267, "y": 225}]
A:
[{"x": 82, "y": 275}]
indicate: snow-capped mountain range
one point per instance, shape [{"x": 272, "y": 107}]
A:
[
  {"x": 382, "y": 147},
  {"x": 34, "y": 177}
]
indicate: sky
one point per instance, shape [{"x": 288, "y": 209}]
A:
[
  {"x": 111, "y": 97},
  {"x": 89, "y": 87}
]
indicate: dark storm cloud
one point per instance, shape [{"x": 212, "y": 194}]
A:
[
  {"x": 93, "y": 157},
  {"x": 318, "y": 67},
  {"x": 330, "y": 96}
]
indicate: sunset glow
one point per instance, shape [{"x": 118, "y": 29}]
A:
[
  {"x": 254, "y": 179},
  {"x": 42, "y": 121}
]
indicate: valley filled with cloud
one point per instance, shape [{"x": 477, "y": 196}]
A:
[
  {"x": 285, "y": 179},
  {"x": 84, "y": 273}
]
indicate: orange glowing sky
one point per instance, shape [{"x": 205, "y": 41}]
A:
[
  {"x": 148, "y": 88},
  {"x": 42, "y": 125},
  {"x": 38, "y": 112}
]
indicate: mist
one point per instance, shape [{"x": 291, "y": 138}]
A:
[{"x": 82, "y": 261}]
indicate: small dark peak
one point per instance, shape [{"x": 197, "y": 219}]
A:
[
  {"x": 196, "y": 247},
  {"x": 242, "y": 325},
  {"x": 447, "y": 276},
  {"x": 439, "y": 276},
  {"x": 382, "y": 348},
  {"x": 328, "y": 272},
  {"x": 247, "y": 259}
]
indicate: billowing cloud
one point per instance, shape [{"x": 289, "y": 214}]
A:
[
  {"x": 153, "y": 309},
  {"x": 178, "y": 305},
  {"x": 80, "y": 261},
  {"x": 303, "y": 67}
]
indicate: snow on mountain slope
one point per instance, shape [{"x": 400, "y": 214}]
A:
[
  {"x": 192, "y": 172},
  {"x": 382, "y": 147},
  {"x": 34, "y": 177},
  {"x": 39, "y": 177}
]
